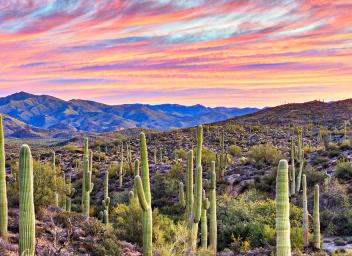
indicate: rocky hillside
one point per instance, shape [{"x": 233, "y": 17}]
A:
[{"x": 314, "y": 112}]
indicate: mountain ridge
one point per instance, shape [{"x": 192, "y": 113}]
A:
[{"x": 82, "y": 116}]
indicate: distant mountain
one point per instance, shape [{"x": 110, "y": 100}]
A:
[
  {"x": 38, "y": 112},
  {"x": 330, "y": 114}
]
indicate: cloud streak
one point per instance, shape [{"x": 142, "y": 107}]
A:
[{"x": 256, "y": 53}]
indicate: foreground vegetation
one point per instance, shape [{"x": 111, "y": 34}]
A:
[{"x": 184, "y": 208}]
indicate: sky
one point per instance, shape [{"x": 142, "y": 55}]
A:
[{"x": 212, "y": 52}]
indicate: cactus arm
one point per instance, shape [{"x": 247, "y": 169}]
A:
[
  {"x": 140, "y": 192},
  {"x": 3, "y": 194},
  {"x": 283, "y": 243}
]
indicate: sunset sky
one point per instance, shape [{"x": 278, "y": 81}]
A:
[{"x": 213, "y": 52}]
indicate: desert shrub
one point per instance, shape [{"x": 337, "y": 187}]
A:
[
  {"x": 314, "y": 177},
  {"x": 165, "y": 190},
  {"x": 266, "y": 182},
  {"x": 235, "y": 150},
  {"x": 263, "y": 154},
  {"x": 207, "y": 156},
  {"x": 320, "y": 160},
  {"x": 168, "y": 238},
  {"x": 180, "y": 154},
  {"x": 44, "y": 183},
  {"x": 115, "y": 168},
  {"x": 346, "y": 145},
  {"x": 344, "y": 169},
  {"x": 249, "y": 218},
  {"x": 337, "y": 222},
  {"x": 72, "y": 148}
]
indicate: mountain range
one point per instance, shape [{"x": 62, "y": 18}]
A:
[{"x": 28, "y": 115}]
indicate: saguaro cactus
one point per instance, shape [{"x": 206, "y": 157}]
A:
[
  {"x": 64, "y": 199},
  {"x": 212, "y": 210},
  {"x": 189, "y": 185},
  {"x": 70, "y": 191},
  {"x": 56, "y": 194},
  {"x": 204, "y": 221},
  {"x": 144, "y": 197},
  {"x": 122, "y": 171},
  {"x": 316, "y": 219},
  {"x": 181, "y": 195},
  {"x": 136, "y": 173},
  {"x": 299, "y": 157},
  {"x": 27, "y": 214},
  {"x": 305, "y": 212},
  {"x": 106, "y": 200},
  {"x": 3, "y": 195},
  {"x": 198, "y": 189},
  {"x": 88, "y": 185},
  {"x": 283, "y": 243},
  {"x": 293, "y": 168}
]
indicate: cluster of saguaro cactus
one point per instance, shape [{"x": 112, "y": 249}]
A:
[
  {"x": 27, "y": 214},
  {"x": 283, "y": 242},
  {"x": 221, "y": 158},
  {"x": 194, "y": 197},
  {"x": 144, "y": 197},
  {"x": 87, "y": 185},
  {"x": 3, "y": 194},
  {"x": 106, "y": 200}
]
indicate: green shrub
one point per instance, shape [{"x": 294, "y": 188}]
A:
[
  {"x": 249, "y": 218},
  {"x": 263, "y": 154},
  {"x": 180, "y": 154},
  {"x": 168, "y": 238},
  {"x": 235, "y": 150},
  {"x": 314, "y": 176},
  {"x": 344, "y": 169},
  {"x": 43, "y": 184}
]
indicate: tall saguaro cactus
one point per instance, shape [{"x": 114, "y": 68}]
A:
[
  {"x": 204, "y": 221},
  {"x": 212, "y": 210},
  {"x": 87, "y": 185},
  {"x": 56, "y": 194},
  {"x": 299, "y": 157},
  {"x": 283, "y": 243},
  {"x": 144, "y": 197},
  {"x": 3, "y": 194},
  {"x": 27, "y": 214},
  {"x": 122, "y": 171},
  {"x": 316, "y": 219},
  {"x": 189, "y": 185},
  {"x": 70, "y": 191},
  {"x": 135, "y": 173},
  {"x": 293, "y": 168},
  {"x": 106, "y": 200},
  {"x": 305, "y": 211}
]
